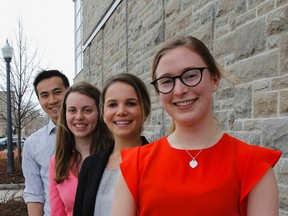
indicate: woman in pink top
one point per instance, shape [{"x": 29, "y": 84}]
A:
[{"x": 80, "y": 133}]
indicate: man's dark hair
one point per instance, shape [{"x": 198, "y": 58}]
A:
[{"x": 46, "y": 74}]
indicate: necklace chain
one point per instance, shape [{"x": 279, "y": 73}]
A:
[
  {"x": 194, "y": 158},
  {"x": 193, "y": 163}
]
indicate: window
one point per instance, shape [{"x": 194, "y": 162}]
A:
[{"x": 78, "y": 22}]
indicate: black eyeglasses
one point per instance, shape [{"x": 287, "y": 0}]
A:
[{"x": 190, "y": 77}]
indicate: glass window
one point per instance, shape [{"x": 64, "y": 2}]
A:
[
  {"x": 78, "y": 4},
  {"x": 78, "y": 35},
  {"x": 79, "y": 50},
  {"x": 79, "y": 63}
]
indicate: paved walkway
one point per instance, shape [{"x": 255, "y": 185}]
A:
[{"x": 9, "y": 190}]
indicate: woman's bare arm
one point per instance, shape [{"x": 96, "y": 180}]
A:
[{"x": 263, "y": 198}]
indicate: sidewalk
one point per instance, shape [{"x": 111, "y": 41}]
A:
[{"x": 9, "y": 190}]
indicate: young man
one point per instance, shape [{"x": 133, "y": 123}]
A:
[{"x": 50, "y": 87}]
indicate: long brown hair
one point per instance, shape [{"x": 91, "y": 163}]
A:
[
  {"x": 66, "y": 155},
  {"x": 194, "y": 45}
]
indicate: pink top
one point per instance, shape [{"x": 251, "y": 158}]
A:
[{"x": 61, "y": 195}]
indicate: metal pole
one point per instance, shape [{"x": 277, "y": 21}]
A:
[{"x": 10, "y": 154}]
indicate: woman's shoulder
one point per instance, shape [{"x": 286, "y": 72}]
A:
[
  {"x": 246, "y": 150},
  {"x": 90, "y": 160}
]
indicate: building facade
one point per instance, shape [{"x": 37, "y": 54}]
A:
[{"x": 248, "y": 38}]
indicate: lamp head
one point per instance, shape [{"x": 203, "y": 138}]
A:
[{"x": 7, "y": 51}]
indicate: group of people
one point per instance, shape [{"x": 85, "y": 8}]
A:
[{"x": 91, "y": 158}]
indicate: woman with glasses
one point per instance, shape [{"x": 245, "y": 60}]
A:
[{"x": 197, "y": 169}]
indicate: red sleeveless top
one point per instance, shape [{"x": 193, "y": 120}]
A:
[{"x": 163, "y": 183}]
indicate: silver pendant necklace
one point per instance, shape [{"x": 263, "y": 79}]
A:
[{"x": 193, "y": 163}]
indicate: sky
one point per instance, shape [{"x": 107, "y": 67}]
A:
[{"x": 49, "y": 27}]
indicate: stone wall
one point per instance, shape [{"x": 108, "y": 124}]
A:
[
  {"x": 90, "y": 9},
  {"x": 249, "y": 39}
]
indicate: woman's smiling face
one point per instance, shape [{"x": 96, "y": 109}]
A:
[
  {"x": 122, "y": 110},
  {"x": 81, "y": 115},
  {"x": 186, "y": 105}
]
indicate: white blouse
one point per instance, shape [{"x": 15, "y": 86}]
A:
[{"x": 105, "y": 192}]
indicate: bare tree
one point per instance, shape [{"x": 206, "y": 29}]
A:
[{"x": 25, "y": 64}]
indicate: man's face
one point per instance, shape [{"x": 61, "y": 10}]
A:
[{"x": 50, "y": 94}]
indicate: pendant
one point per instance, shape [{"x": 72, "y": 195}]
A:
[{"x": 193, "y": 163}]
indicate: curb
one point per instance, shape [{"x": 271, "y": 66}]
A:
[{"x": 12, "y": 186}]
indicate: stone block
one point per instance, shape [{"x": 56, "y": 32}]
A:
[
  {"x": 284, "y": 53},
  {"x": 281, "y": 169},
  {"x": 183, "y": 20},
  {"x": 230, "y": 60},
  {"x": 91, "y": 18},
  {"x": 278, "y": 4},
  {"x": 172, "y": 7},
  {"x": 277, "y": 22},
  {"x": 279, "y": 83},
  {"x": 224, "y": 45},
  {"x": 260, "y": 67},
  {"x": 222, "y": 31},
  {"x": 261, "y": 86},
  {"x": 265, "y": 7},
  {"x": 225, "y": 93},
  {"x": 241, "y": 6},
  {"x": 253, "y": 125},
  {"x": 283, "y": 213},
  {"x": 238, "y": 125},
  {"x": 224, "y": 7},
  {"x": 251, "y": 39},
  {"x": 243, "y": 101},
  {"x": 275, "y": 134},
  {"x": 283, "y": 200},
  {"x": 265, "y": 105},
  {"x": 284, "y": 103},
  {"x": 207, "y": 14},
  {"x": 205, "y": 34},
  {"x": 273, "y": 42},
  {"x": 227, "y": 104},
  {"x": 254, "y": 3},
  {"x": 230, "y": 76},
  {"x": 216, "y": 106},
  {"x": 244, "y": 18},
  {"x": 199, "y": 4},
  {"x": 221, "y": 21},
  {"x": 226, "y": 119}
]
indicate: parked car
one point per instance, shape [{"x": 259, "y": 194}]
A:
[{"x": 4, "y": 141}]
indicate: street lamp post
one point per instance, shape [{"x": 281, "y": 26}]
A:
[{"x": 7, "y": 55}]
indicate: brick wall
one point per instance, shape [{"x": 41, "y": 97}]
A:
[{"x": 249, "y": 38}]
